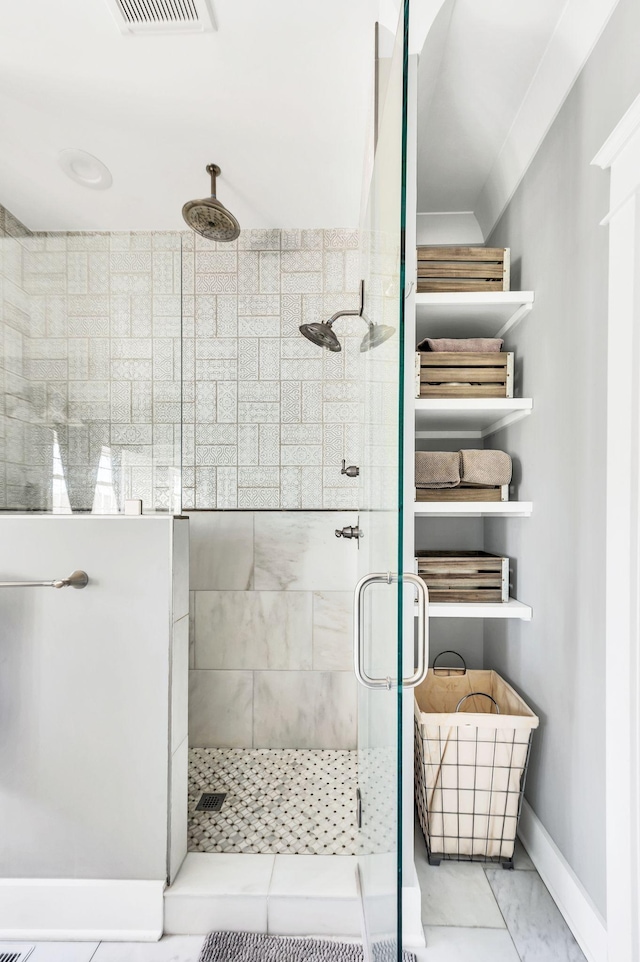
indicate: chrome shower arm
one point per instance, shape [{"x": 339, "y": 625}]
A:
[
  {"x": 213, "y": 170},
  {"x": 334, "y": 317},
  {"x": 358, "y": 313}
]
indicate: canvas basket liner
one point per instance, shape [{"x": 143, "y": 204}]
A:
[{"x": 470, "y": 765}]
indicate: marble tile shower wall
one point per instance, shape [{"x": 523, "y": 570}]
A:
[
  {"x": 270, "y": 653},
  {"x": 268, "y": 416},
  {"x": 15, "y": 390}
]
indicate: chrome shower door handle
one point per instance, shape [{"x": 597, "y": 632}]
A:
[
  {"x": 358, "y": 635},
  {"x": 422, "y": 668}
]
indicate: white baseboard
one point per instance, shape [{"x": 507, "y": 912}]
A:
[
  {"x": 412, "y": 929},
  {"x": 81, "y": 909},
  {"x": 579, "y": 911}
]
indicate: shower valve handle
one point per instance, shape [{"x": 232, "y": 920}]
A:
[
  {"x": 349, "y": 531},
  {"x": 352, "y": 471}
]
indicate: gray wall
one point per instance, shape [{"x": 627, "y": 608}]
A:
[
  {"x": 85, "y": 700},
  {"x": 558, "y": 250},
  {"x": 271, "y": 649}
]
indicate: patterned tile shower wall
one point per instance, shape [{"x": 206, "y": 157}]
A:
[
  {"x": 268, "y": 416},
  {"x": 15, "y": 390},
  {"x": 94, "y": 364},
  {"x": 102, "y": 365},
  {"x": 106, "y": 364}
]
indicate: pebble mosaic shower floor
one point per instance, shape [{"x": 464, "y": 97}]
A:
[{"x": 278, "y": 801}]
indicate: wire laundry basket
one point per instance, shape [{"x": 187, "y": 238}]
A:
[{"x": 472, "y": 745}]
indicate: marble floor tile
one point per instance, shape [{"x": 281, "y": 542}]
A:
[
  {"x": 449, "y": 944},
  {"x": 521, "y": 858},
  {"x": 307, "y": 877},
  {"x": 205, "y": 875},
  {"x": 458, "y": 894},
  {"x": 278, "y": 801},
  {"x": 59, "y": 951},
  {"x": 538, "y": 929},
  {"x": 171, "y": 948},
  {"x": 314, "y": 896}
]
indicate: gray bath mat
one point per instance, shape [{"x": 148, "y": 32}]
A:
[{"x": 248, "y": 947}]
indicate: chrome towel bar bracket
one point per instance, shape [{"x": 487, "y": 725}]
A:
[{"x": 78, "y": 579}]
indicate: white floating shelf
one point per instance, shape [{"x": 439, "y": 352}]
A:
[
  {"x": 490, "y": 314},
  {"x": 509, "y": 609},
  {"x": 473, "y": 509},
  {"x": 468, "y": 417}
]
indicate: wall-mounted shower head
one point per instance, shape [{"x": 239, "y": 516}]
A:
[
  {"x": 377, "y": 334},
  {"x": 322, "y": 333},
  {"x": 209, "y": 217}
]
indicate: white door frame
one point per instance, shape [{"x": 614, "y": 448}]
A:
[{"x": 621, "y": 154}]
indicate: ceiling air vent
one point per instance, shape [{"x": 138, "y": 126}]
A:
[
  {"x": 162, "y": 16},
  {"x": 15, "y": 951}
]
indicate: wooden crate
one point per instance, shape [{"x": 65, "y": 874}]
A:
[
  {"x": 464, "y": 576},
  {"x": 464, "y": 374},
  {"x": 463, "y": 269},
  {"x": 464, "y": 493}
]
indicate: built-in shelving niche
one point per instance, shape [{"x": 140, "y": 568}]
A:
[{"x": 492, "y": 314}]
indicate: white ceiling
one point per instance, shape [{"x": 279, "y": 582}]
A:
[
  {"x": 279, "y": 97},
  {"x": 474, "y": 73}
]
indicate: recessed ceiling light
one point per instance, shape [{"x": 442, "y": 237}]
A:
[{"x": 85, "y": 169}]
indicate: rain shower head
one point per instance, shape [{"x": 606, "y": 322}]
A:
[
  {"x": 377, "y": 334},
  {"x": 209, "y": 217},
  {"x": 322, "y": 333}
]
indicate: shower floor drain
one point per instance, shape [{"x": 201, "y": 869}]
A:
[{"x": 211, "y": 802}]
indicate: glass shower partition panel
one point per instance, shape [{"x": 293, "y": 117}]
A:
[
  {"x": 15, "y": 400},
  {"x": 92, "y": 371},
  {"x": 379, "y": 594}
]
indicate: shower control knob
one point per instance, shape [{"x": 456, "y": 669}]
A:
[
  {"x": 352, "y": 471},
  {"x": 349, "y": 532}
]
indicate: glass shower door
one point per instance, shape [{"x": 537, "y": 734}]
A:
[{"x": 379, "y": 594}]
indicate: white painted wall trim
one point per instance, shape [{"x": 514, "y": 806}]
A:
[
  {"x": 81, "y": 910},
  {"x": 580, "y": 913},
  {"x": 621, "y": 154},
  {"x": 619, "y": 137},
  {"x": 412, "y": 928},
  {"x": 421, "y": 19},
  {"x": 575, "y": 36}
]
